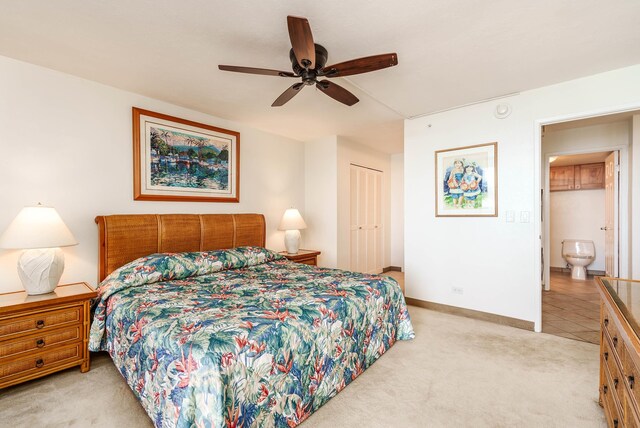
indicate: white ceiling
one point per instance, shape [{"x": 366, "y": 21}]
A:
[
  {"x": 581, "y": 159},
  {"x": 450, "y": 53}
]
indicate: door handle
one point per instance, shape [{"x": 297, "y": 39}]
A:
[{"x": 605, "y": 228}]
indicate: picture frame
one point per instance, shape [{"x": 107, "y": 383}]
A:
[
  {"x": 180, "y": 160},
  {"x": 467, "y": 181}
]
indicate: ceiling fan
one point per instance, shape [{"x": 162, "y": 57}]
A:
[{"x": 308, "y": 63}]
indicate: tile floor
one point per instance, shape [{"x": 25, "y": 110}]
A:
[{"x": 571, "y": 308}]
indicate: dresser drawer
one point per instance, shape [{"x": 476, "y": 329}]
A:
[
  {"x": 608, "y": 324},
  {"x": 39, "y": 321},
  {"x": 41, "y": 362},
  {"x": 631, "y": 377},
  {"x": 311, "y": 262},
  {"x": 44, "y": 341},
  {"x": 614, "y": 418},
  {"x": 609, "y": 360}
]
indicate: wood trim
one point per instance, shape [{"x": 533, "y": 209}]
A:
[
  {"x": 124, "y": 238},
  {"x": 62, "y": 296},
  {"x": 392, "y": 269},
  {"x": 235, "y": 230},
  {"x": 102, "y": 254},
  {"x": 137, "y": 180},
  {"x": 201, "y": 234},
  {"x": 471, "y": 313}
]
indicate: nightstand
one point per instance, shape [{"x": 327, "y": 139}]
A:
[
  {"x": 43, "y": 334},
  {"x": 308, "y": 257}
]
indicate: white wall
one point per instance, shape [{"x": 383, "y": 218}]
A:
[
  {"x": 66, "y": 142},
  {"x": 321, "y": 187},
  {"x": 496, "y": 263},
  {"x": 584, "y": 139},
  {"x": 577, "y": 214},
  {"x": 352, "y": 153},
  {"x": 397, "y": 210}
]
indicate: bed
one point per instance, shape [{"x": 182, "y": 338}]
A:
[{"x": 210, "y": 329}]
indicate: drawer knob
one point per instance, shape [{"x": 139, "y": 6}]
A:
[
  {"x": 39, "y": 323},
  {"x": 615, "y": 341},
  {"x": 606, "y": 322},
  {"x": 615, "y": 423},
  {"x": 606, "y": 356},
  {"x": 40, "y": 343},
  {"x": 615, "y": 383},
  {"x": 604, "y": 389},
  {"x": 39, "y": 362},
  {"x": 632, "y": 380}
]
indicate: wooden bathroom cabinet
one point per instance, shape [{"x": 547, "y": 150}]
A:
[{"x": 576, "y": 177}]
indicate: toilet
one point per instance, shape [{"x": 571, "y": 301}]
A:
[{"x": 579, "y": 253}]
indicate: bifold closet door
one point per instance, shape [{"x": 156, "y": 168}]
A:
[{"x": 366, "y": 220}]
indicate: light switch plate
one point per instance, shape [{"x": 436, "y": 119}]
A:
[
  {"x": 525, "y": 216},
  {"x": 511, "y": 216}
]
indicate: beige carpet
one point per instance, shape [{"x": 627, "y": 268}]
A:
[{"x": 458, "y": 372}]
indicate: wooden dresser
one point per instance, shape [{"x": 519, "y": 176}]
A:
[
  {"x": 308, "y": 257},
  {"x": 43, "y": 334},
  {"x": 620, "y": 351}
]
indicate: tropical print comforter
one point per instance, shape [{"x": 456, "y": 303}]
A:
[{"x": 242, "y": 337}]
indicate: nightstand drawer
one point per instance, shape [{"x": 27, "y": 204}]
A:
[
  {"x": 306, "y": 257},
  {"x": 43, "y": 341},
  {"x": 39, "y": 321},
  {"x": 41, "y": 362}
]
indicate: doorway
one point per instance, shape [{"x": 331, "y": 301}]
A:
[
  {"x": 577, "y": 212},
  {"x": 584, "y": 198}
]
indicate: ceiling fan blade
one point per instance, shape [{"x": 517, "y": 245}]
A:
[
  {"x": 302, "y": 41},
  {"x": 337, "y": 92},
  {"x": 288, "y": 94},
  {"x": 253, "y": 70},
  {"x": 361, "y": 65}
]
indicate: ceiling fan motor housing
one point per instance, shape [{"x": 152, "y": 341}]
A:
[{"x": 309, "y": 75}]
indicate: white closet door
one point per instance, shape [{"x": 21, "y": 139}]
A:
[{"x": 366, "y": 220}]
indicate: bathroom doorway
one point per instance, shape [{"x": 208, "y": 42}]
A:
[{"x": 584, "y": 198}]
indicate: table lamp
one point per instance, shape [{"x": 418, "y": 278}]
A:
[
  {"x": 291, "y": 223},
  {"x": 40, "y": 231}
]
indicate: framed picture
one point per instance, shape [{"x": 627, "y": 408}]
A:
[
  {"x": 180, "y": 160},
  {"x": 467, "y": 181}
]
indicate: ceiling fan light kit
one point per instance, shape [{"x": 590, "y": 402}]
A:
[{"x": 308, "y": 61}]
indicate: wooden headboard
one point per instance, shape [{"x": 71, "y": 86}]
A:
[{"x": 124, "y": 238}]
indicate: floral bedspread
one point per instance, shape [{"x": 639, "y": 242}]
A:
[{"x": 242, "y": 337}]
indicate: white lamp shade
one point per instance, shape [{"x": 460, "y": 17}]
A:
[
  {"x": 37, "y": 227},
  {"x": 292, "y": 220}
]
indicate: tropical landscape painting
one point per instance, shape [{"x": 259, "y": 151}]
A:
[{"x": 180, "y": 160}]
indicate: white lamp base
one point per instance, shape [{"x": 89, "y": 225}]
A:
[
  {"x": 40, "y": 270},
  {"x": 292, "y": 241}
]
